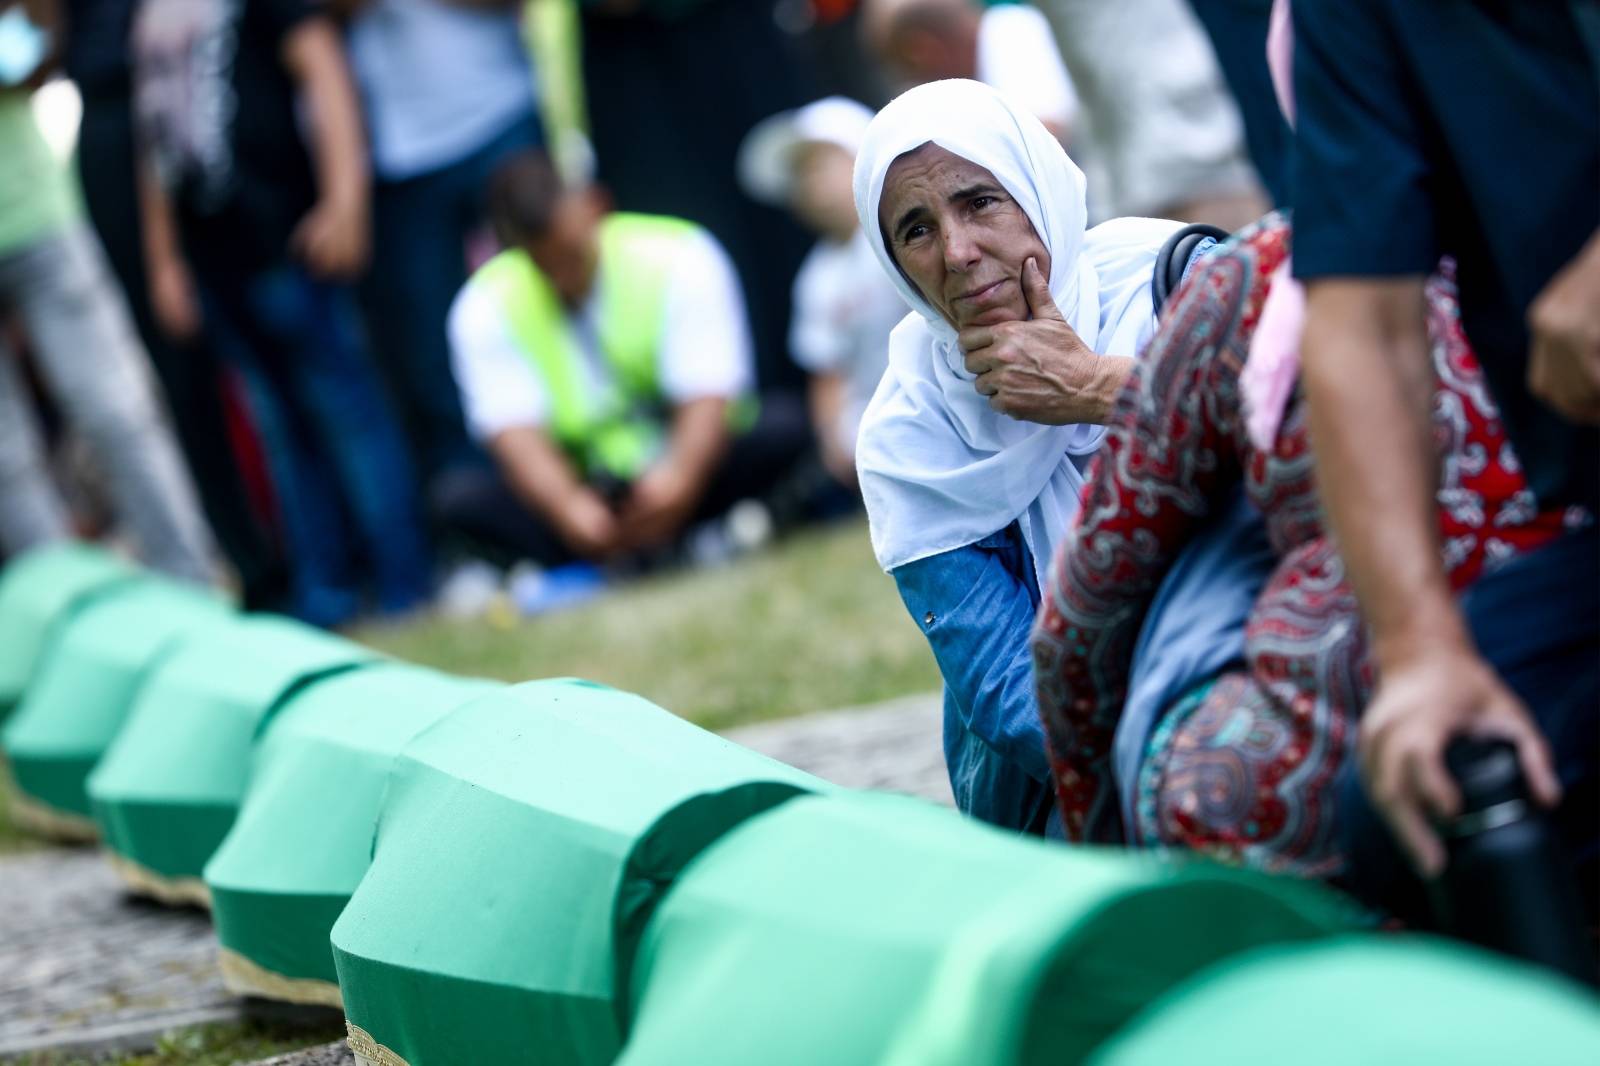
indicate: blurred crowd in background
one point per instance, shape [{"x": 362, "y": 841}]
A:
[
  {"x": 387, "y": 305},
  {"x": 239, "y": 330}
]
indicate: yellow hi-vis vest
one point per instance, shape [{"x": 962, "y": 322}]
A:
[{"x": 621, "y": 432}]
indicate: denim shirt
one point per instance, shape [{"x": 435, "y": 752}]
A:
[{"x": 976, "y": 605}]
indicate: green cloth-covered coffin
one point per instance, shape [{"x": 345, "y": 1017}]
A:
[
  {"x": 863, "y": 929},
  {"x": 1372, "y": 1000},
  {"x": 82, "y": 692},
  {"x": 37, "y": 590},
  {"x": 482, "y": 932},
  {"x": 167, "y": 790},
  {"x": 303, "y": 837}
]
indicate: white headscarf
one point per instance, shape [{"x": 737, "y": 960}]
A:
[{"x": 939, "y": 467}]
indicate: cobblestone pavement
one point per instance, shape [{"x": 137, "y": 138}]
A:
[
  {"x": 893, "y": 746},
  {"x": 335, "y": 1054},
  {"x": 84, "y": 966}
]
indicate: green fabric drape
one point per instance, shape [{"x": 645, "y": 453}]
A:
[
  {"x": 872, "y": 929},
  {"x": 167, "y": 790},
  {"x": 38, "y": 590},
  {"x": 87, "y": 680},
  {"x": 1376, "y": 1001},
  {"x": 483, "y": 930},
  {"x": 303, "y": 837}
]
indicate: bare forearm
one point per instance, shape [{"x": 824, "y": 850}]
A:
[
  {"x": 160, "y": 229},
  {"x": 1111, "y": 373},
  {"x": 1087, "y": 395},
  {"x": 314, "y": 53},
  {"x": 1564, "y": 364},
  {"x": 1369, "y": 383},
  {"x": 540, "y": 476},
  {"x": 699, "y": 439}
]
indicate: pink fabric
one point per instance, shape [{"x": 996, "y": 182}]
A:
[
  {"x": 1280, "y": 57},
  {"x": 1273, "y": 365}
]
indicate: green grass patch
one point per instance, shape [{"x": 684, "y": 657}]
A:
[
  {"x": 808, "y": 625},
  {"x": 204, "y": 1045}
]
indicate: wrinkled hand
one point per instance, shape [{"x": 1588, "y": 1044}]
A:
[
  {"x": 1038, "y": 370},
  {"x": 589, "y": 527},
  {"x": 333, "y": 240},
  {"x": 657, "y": 506},
  {"x": 1419, "y": 708},
  {"x": 174, "y": 300},
  {"x": 1564, "y": 367}
]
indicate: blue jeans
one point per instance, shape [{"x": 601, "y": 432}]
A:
[
  {"x": 976, "y": 606},
  {"x": 332, "y": 445},
  {"x": 1536, "y": 620},
  {"x": 419, "y": 263}
]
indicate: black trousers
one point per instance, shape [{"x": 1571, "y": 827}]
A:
[
  {"x": 188, "y": 374},
  {"x": 484, "y": 514}
]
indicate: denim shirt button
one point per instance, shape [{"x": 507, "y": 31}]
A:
[{"x": 928, "y": 619}]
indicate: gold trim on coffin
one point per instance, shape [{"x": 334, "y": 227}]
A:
[
  {"x": 173, "y": 891},
  {"x": 43, "y": 820},
  {"x": 245, "y": 978},
  {"x": 369, "y": 1052}
]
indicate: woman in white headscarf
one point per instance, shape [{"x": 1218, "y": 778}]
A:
[{"x": 971, "y": 455}]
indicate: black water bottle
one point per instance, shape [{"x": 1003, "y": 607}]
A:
[{"x": 1508, "y": 885}]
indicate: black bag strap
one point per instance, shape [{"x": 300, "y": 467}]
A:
[{"x": 1173, "y": 259}]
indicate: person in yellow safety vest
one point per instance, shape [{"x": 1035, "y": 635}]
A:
[{"x": 604, "y": 361}]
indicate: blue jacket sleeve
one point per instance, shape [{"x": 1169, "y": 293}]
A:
[{"x": 976, "y": 607}]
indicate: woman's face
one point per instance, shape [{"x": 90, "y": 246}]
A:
[{"x": 959, "y": 237}]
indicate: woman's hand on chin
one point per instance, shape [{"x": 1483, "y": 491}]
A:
[{"x": 1039, "y": 370}]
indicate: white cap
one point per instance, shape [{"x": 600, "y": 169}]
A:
[{"x": 766, "y": 158}]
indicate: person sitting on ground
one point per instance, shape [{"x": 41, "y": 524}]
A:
[
  {"x": 844, "y": 307},
  {"x": 1238, "y": 753},
  {"x": 604, "y": 361},
  {"x": 971, "y": 455}
]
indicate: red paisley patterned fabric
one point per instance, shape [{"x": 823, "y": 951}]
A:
[{"x": 1244, "y": 768}]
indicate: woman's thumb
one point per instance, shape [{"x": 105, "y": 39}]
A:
[{"x": 1036, "y": 290}]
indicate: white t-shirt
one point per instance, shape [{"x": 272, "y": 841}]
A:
[
  {"x": 844, "y": 310},
  {"x": 705, "y": 345},
  {"x": 1017, "y": 54},
  {"x": 439, "y": 80}
]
